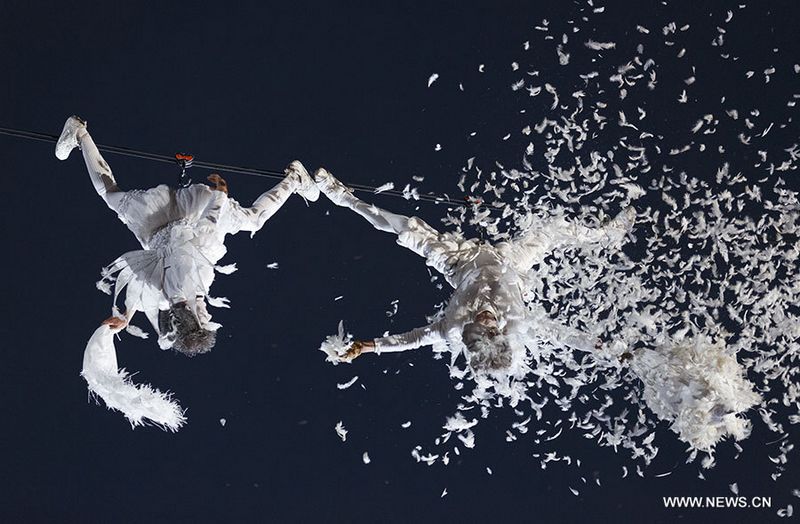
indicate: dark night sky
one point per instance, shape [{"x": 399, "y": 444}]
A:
[{"x": 260, "y": 85}]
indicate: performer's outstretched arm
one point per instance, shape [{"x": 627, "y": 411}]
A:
[{"x": 416, "y": 338}]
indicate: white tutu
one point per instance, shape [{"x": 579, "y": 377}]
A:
[{"x": 172, "y": 267}]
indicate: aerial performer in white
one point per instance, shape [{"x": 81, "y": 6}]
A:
[
  {"x": 182, "y": 233},
  {"x": 487, "y": 315}
]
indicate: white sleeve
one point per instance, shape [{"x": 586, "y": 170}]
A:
[
  {"x": 421, "y": 336},
  {"x": 138, "y": 402}
]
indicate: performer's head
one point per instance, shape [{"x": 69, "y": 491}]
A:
[
  {"x": 488, "y": 348},
  {"x": 183, "y": 329}
]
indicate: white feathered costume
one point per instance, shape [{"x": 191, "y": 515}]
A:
[
  {"x": 484, "y": 277},
  {"x": 182, "y": 233}
]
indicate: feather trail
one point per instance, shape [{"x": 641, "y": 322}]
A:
[{"x": 139, "y": 403}]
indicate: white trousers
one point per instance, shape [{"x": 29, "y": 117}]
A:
[{"x": 444, "y": 252}]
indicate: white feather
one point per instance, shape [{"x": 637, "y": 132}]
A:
[{"x": 335, "y": 346}]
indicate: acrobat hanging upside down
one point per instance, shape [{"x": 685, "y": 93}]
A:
[
  {"x": 487, "y": 315},
  {"x": 182, "y": 235}
]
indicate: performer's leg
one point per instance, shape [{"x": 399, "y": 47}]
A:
[
  {"x": 99, "y": 171},
  {"x": 562, "y": 231},
  {"x": 341, "y": 195},
  {"x": 538, "y": 240},
  {"x": 75, "y": 135},
  {"x": 412, "y": 233},
  {"x": 531, "y": 247},
  {"x": 143, "y": 211},
  {"x": 612, "y": 232}
]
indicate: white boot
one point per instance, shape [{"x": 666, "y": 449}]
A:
[
  {"x": 332, "y": 187},
  {"x": 69, "y": 136},
  {"x": 308, "y": 189}
]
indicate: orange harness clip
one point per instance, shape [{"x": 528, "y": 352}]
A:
[{"x": 184, "y": 160}]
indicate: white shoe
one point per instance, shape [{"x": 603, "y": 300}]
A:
[
  {"x": 331, "y": 186},
  {"x": 69, "y": 137},
  {"x": 308, "y": 189}
]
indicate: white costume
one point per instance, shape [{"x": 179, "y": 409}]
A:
[
  {"x": 182, "y": 234},
  {"x": 485, "y": 277}
]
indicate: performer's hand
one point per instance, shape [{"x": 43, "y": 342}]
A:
[
  {"x": 219, "y": 183},
  {"x": 356, "y": 349},
  {"x": 115, "y": 323}
]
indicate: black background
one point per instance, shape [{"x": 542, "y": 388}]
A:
[{"x": 259, "y": 84}]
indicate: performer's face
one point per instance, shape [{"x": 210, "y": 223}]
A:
[
  {"x": 488, "y": 350},
  {"x": 487, "y": 319}
]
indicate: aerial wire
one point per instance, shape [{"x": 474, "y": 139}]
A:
[{"x": 228, "y": 168}]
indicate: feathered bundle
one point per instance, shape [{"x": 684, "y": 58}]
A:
[
  {"x": 138, "y": 402},
  {"x": 700, "y": 388},
  {"x": 335, "y": 346}
]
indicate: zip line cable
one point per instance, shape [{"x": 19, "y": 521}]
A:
[{"x": 212, "y": 166}]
